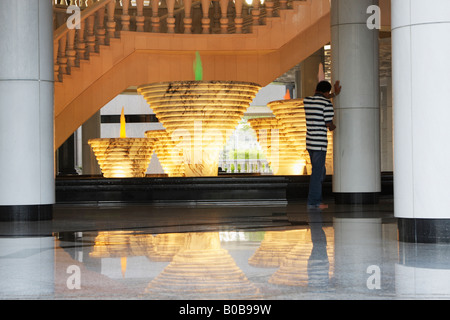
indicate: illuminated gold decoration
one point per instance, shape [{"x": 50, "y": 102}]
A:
[
  {"x": 283, "y": 157},
  {"x": 291, "y": 114},
  {"x": 202, "y": 270},
  {"x": 122, "y": 157},
  {"x": 170, "y": 158},
  {"x": 199, "y": 116}
]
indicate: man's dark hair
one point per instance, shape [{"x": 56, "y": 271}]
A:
[{"x": 323, "y": 86}]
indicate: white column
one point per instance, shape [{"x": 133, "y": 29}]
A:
[
  {"x": 422, "y": 271},
  {"x": 26, "y": 110},
  {"x": 420, "y": 66},
  {"x": 354, "y": 46}
]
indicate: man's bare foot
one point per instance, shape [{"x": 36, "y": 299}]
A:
[{"x": 321, "y": 206}]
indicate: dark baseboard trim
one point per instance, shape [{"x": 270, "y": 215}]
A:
[
  {"x": 424, "y": 230},
  {"x": 38, "y": 212},
  {"x": 356, "y": 197}
]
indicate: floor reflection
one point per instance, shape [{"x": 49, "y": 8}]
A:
[
  {"x": 308, "y": 262},
  {"x": 342, "y": 257},
  {"x": 202, "y": 269}
]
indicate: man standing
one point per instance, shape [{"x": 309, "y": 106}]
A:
[{"x": 319, "y": 115}]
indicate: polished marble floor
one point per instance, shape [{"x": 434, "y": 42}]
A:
[{"x": 196, "y": 251}]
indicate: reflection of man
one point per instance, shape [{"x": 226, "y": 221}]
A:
[
  {"x": 318, "y": 262},
  {"x": 319, "y": 118}
]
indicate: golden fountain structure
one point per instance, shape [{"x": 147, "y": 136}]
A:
[
  {"x": 291, "y": 115},
  {"x": 199, "y": 116},
  {"x": 280, "y": 151},
  {"x": 170, "y": 158},
  {"x": 122, "y": 157}
]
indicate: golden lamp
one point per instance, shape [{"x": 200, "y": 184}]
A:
[
  {"x": 122, "y": 157},
  {"x": 199, "y": 116}
]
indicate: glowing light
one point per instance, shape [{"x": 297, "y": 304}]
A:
[
  {"x": 123, "y": 131},
  {"x": 171, "y": 160},
  {"x": 299, "y": 167},
  {"x": 279, "y": 149},
  {"x": 199, "y": 116},
  {"x": 198, "y": 68},
  {"x": 122, "y": 157},
  {"x": 123, "y": 265}
]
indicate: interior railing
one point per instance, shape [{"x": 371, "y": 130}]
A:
[{"x": 83, "y": 26}]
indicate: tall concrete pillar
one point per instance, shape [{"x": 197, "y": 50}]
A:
[
  {"x": 420, "y": 66},
  {"x": 27, "y": 183},
  {"x": 354, "y": 46}
]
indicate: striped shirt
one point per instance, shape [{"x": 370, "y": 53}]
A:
[{"x": 318, "y": 111}]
